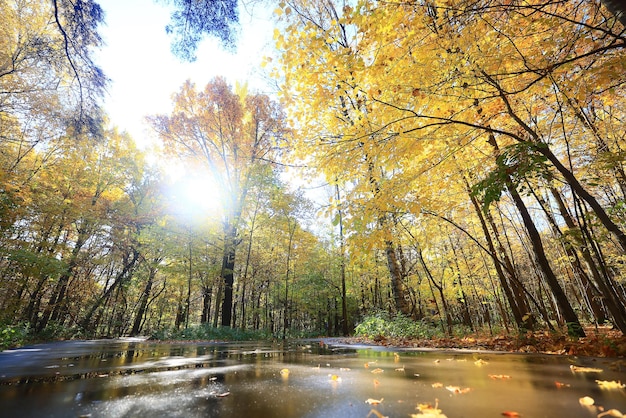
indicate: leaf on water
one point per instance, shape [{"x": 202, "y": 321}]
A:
[
  {"x": 428, "y": 411},
  {"x": 284, "y": 372},
  {"x": 586, "y": 401},
  {"x": 334, "y": 378},
  {"x": 400, "y": 369},
  {"x": 511, "y": 414},
  {"x": 457, "y": 390},
  {"x": 374, "y": 401},
  {"x": 605, "y": 384},
  {"x": 580, "y": 369},
  {"x": 437, "y": 385},
  {"x": 480, "y": 362},
  {"x": 560, "y": 385},
  {"x": 436, "y": 361},
  {"x": 396, "y": 357},
  {"x": 344, "y": 369},
  {"x": 377, "y": 370},
  {"x": 499, "y": 376},
  {"x": 376, "y": 382},
  {"x": 222, "y": 395}
]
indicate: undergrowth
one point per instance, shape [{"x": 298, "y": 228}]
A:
[
  {"x": 207, "y": 332},
  {"x": 384, "y": 325}
]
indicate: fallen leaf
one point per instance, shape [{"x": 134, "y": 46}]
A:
[
  {"x": 605, "y": 384},
  {"x": 586, "y": 401},
  {"x": 400, "y": 369},
  {"x": 374, "y": 401},
  {"x": 499, "y": 376},
  {"x": 437, "y": 385},
  {"x": 580, "y": 369},
  {"x": 480, "y": 362},
  {"x": 428, "y": 411},
  {"x": 560, "y": 385},
  {"x": 222, "y": 395},
  {"x": 376, "y": 382},
  {"x": 511, "y": 414},
  {"x": 457, "y": 390},
  {"x": 377, "y": 370},
  {"x": 344, "y": 369},
  {"x": 284, "y": 372},
  {"x": 335, "y": 378}
]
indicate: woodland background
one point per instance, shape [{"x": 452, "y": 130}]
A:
[{"x": 473, "y": 153}]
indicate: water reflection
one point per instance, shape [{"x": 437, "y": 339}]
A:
[{"x": 133, "y": 378}]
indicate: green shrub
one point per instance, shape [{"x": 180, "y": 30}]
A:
[
  {"x": 12, "y": 336},
  {"x": 206, "y": 332},
  {"x": 382, "y": 325}
]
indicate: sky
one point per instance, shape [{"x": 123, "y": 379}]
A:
[{"x": 144, "y": 73}]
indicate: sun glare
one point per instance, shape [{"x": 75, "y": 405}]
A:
[
  {"x": 202, "y": 192},
  {"x": 196, "y": 194}
]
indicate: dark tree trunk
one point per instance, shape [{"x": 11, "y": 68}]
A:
[
  {"x": 573, "y": 324},
  {"x": 228, "y": 273},
  {"x": 205, "y": 318},
  {"x": 126, "y": 272},
  {"x": 143, "y": 303}
]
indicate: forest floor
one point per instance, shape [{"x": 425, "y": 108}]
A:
[{"x": 599, "y": 342}]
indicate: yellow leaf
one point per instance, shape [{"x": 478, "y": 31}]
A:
[
  {"x": 605, "y": 384},
  {"x": 580, "y": 369},
  {"x": 586, "y": 401}
]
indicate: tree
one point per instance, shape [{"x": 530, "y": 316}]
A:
[
  {"x": 230, "y": 134},
  {"x": 408, "y": 86},
  {"x": 192, "y": 20},
  {"x": 47, "y": 73}
]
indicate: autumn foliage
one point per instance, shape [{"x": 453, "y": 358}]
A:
[{"x": 472, "y": 152}]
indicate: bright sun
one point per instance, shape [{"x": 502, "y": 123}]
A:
[
  {"x": 201, "y": 191},
  {"x": 194, "y": 194}
]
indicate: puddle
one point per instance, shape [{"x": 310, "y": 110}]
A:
[{"x": 129, "y": 378}]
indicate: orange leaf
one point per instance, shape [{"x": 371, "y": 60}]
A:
[
  {"x": 511, "y": 414},
  {"x": 499, "y": 376}
]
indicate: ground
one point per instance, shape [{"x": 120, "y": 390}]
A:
[{"x": 599, "y": 342}]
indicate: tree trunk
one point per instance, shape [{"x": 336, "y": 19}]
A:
[
  {"x": 143, "y": 302},
  {"x": 121, "y": 277},
  {"x": 342, "y": 266},
  {"x": 605, "y": 283},
  {"x": 518, "y": 315},
  {"x": 228, "y": 272},
  {"x": 573, "y": 324},
  {"x": 588, "y": 289},
  {"x": 206, "y": 304}
]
